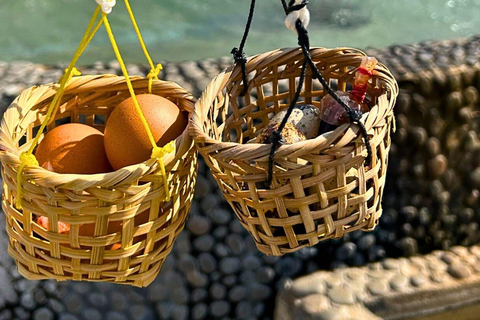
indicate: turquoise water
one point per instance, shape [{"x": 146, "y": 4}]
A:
[{"x": 48, "y": 31}]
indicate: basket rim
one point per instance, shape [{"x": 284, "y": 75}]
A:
[
  {"x": 84, "y": 83},
  {"x": 322, "y": 142}
]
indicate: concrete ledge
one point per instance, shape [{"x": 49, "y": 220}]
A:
[{"x": 393, "y": 289}]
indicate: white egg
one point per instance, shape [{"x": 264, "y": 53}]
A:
[{"x": 306, "y": 118}]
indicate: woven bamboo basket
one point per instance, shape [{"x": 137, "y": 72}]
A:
[
  {"x": 100, "y": 199},
  {"x": 321, "y": 188}
]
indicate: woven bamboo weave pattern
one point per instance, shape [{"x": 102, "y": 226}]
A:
[
  {"x": 321, "y": 188},
  {"x": 100, "y": 199}
]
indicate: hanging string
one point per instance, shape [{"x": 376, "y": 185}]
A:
[
  {"x": 154, "y": 70},
  {"x": 239, "y": 54},
  {"x": 277, "y": 139},
  {"x": 157, "y": 152},
  {"x": 354, "y": 116},
  {"x": 27, "y": 158}
]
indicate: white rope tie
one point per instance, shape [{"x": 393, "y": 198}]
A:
[
  {"x": 302, "y": 14},
  {"x": 106, "y": 5}
]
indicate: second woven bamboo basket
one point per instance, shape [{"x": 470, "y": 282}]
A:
[
  {"x": 101, "y": 200},
  {"x": 321, "y": 187}
]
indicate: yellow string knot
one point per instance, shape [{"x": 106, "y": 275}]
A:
[
  {"x": 153, "y": 74},
  {"x": 75, "y": 72},
  {"x": 26, "y": 159},
  {"x": 158, "y": 153}
]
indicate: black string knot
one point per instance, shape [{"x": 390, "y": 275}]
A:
[
  {"x": 291, "y": 8},
  {"x": 354, "y": 115},
  {"x": 239, "y": 56}
]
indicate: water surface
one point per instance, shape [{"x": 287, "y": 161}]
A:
[{"x": 48, "y": 31}]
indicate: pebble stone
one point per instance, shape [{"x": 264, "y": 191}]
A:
[
  {"x": 459, "y": 271},
  {"x": 43, "y": 314},
  {"x": 204, "y": 243},
  {"x": 199, "y": 311},
  {"x": 237, "y": 293},
  {"x": 378, "y": 287},
  {"x": 399, "y": 282},
  {"x": 419, "y": 280},
  {"x": 341, "y": 295},
  {"x": 219, "y": 308},
  {"x": 207, "y": 262}
]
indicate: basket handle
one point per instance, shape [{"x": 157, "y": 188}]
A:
[{"x": 28, "y": 159}]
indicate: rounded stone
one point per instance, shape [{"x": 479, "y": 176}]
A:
[
  {"x": 288, "y": 267},
  {"x": 27, "y": 301},
  {"x": 459, "y": 271},
  {"x": 207, "y": 262},
  {"x": 333, "y": 280},
  {"x": 180, "y": 295},
  {"x": 438, "y": 276},
  {"x": 204, "y": 243},
  {"x": 391, "y": 264},
  {"x": 340, "y": 295},
  {"x": 115, "y": 315},
  {"x": 265, "y": 274},
  {"x": 314, "y": 304},
  {"x": 221, "y": 250},
  {"x": 237, "y": 293},
  {"x": 236, "y": 243},
  {"x": 230, "y": 280},
  {"x": 366, "y": 242},
  {"x": 219, "y": 308},
  {"x": 259, "y": 292},
  {"x": 399, "y": 282},
  {"x": 198, "y": 295},
  {"x": 6, "y": 314},
  {"x": 418, "y": 280},
  {"x": 437, "y": 166},
  {"x": 197, "y": 279},
  {"x": 67, "y": 316},
  {"x": 346, "y": 251},
  {"x": 164, "y": 309},
  {"x": 180, "y": 312},
  {"x": 243, "y": 310},
  {"x": 251, "y": 262},
  {"x": 73, "y": 302},
  {"x": 199, "y": 225},
  {"x": 20, "y": 314},
  {"x": 378, "y": 287},
  {"x": 43, "y": 314},
  {"x": 308, "y": 285},
  {"x": 199, "y": 311},
  {"x": 97, "y": 299},
  {"x": 92, "y": 314},
  {"x": 218, "y": 291},
  {"x": 220, "y": 216},
  {"x": 230, "y": 265},
  {"x": 187, "y": 264}
]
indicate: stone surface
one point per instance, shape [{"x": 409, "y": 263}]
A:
[{"x": 431, "y": 193}]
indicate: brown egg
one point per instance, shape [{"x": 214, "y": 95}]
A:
[
  {"x": 126, "y": 140},
  {"x": 73, "y": 148}
]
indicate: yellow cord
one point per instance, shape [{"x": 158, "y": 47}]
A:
[
  {"x": 158, "y": 152},
  {"x": 27, "y": 158},
  {"x": 154, "y": 70},
  {"x": 153, "y": 74}
]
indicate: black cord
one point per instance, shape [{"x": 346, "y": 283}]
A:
[
  {"x": 239, "y": 54},
  {"x": 354, "y": 116},
  {"x": 277, "y": 138}
]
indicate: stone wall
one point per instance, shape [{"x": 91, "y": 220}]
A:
[{"x": 215, "y": 271}]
